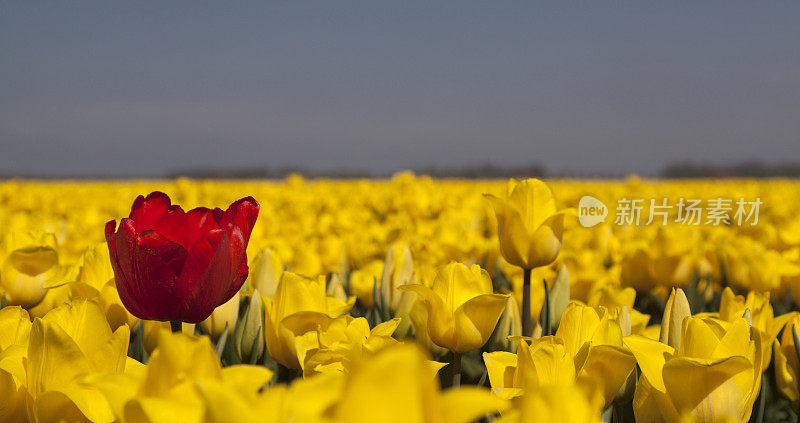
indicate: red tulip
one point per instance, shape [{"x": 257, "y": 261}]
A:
[{"x": 179, "y": 266}]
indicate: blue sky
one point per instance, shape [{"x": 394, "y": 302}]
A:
[{"x": 146, "y": 88}]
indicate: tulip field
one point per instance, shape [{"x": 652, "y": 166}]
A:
[{"x": 408, "y": 299}]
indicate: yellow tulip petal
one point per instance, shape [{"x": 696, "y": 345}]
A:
[
  {"x": 651, "y": 356},
  {"x": 706, "y": 388},
  {"x": 476, "y": 319},
  {"x": 467, "y": 404},
  {"x": 606, "y": 369},
  {"x": 500, "y": 366}
]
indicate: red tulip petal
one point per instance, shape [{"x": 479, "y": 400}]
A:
[
  {"x": 120, "y": 278},
  {"x": 122, "y": 263},
  {"x": 205, "y": 277},
  {"x": 242, "y": 214},
  {"x": 148, "y": 212},
  {"x": 158, "y": 263},
  {"x": 187, "y": 228}
]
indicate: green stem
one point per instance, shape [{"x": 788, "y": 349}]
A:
[
  {"x": 456, "y": 369},
  {"x": 527, "y": 328},
  {"x": 175, "y": 326}
]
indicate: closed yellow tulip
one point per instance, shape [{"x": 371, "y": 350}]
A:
[
  {"x": 462, "y": 310},
  {"x": 528, "y": 225}
]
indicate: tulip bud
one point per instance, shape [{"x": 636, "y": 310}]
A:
[
  {"x": 335, "y": 288},
  {"x": 267, "y": 273},
  {"x": 510, "y": 324},
  {"x": 559, "y": 296},
  {"x": 675, "y": 311},
  {"x": 248, "y": 338},
  {"x": 398, "y": 269}
]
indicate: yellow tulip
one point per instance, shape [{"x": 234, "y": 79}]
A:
[
  {"x": 344, "y": 341},
  {"x": 398, "y": 270},
  {"x": 300, "y": 305},
  {"x": 714, "y": 374},
  {"x": 556, "y": 404},
  {"x": 544, "y": 363},
  {"x": 66, "y": 346},
  {"x": 594, "y": 338},
  {"x": 787, "y": 364},
  {"x": 362, "y": 282},
  {"x": 411, "y": 396},
  {"x": 528, "y": 225},
  {"x": 462, "y": 310},
  {"x": 166, "y": 390},
  {"x": 734, "y": 306},
  {"x": 28, "y": 261},
  {"x": 675, "y": 311},
  {"x": 266, "y": 274},
  {"x": 615, "y": 297}
]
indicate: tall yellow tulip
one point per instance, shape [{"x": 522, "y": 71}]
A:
[{"x": 529, "y": 228}]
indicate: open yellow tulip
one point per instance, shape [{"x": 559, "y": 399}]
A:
[
  {"x": 462, "y": 310},
  {"x": 714, "y": 374},
  {"x": 300, "y": 305},
  {"x": 28, "y": 261}
]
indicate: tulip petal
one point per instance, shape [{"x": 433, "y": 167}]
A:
[
  {"x": 441, "y": 323},
  {"x": 476, "y": 319},
  {"x": 223, "y": 404},
  {"x": 651, "y": 356},
  {"x": 500, "y": 366},
  {"x": 546, "y": 241},
  {"x": 246, "y": 379},
  {"x": 785, "y": 376},
  {"x": 534, "y": 200},
  {"x": 606, "y": 368},
  {"x": 578, "y": 324},
  {"x": 706, "y": 387},
  {"x": 467, "y": 404}
]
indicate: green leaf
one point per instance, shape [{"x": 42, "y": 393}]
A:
[
  {"x": 223, "y": 339},
  {"x": 544, "y": 314}
]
